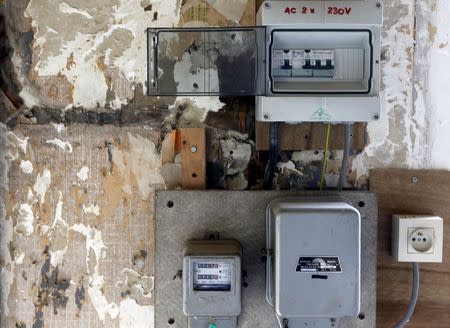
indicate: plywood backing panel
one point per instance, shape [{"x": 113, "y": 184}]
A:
[
  {"x": 412, "y": 192},
  {"x": 306, "y": 136}
]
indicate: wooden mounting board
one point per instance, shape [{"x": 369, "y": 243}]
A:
[
  {"x": 192, "y": 143},
  {"x": 398, "y": 193},
  {"x": 310, "y": 136}
]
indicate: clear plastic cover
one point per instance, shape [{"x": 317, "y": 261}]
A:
[{"x": 206, "y": 61}]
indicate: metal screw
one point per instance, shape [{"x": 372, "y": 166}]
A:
[
  {"x": 414, "y": 179},
  {"x": 376, "y": 116},
  {"x": 194, "y": 149},
  {"x": 378, "y": 4},
  {"x": 266, "y": 116},
  {"x": 267, "y": 4}
]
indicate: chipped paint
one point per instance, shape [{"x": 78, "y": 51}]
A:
[
  {"x": 64, "y": 145},
  {"x": 25, "y": 220},
  {"x": 92, "y": 209},
  {"x": 58, "y": 234},
  {"x": 139, "y": 165},
  {"x": 59, "y": 127},
  {"x": 133, "y": 315},
  {"x": 94, "y": 244},
  {"x": 436, "y": 100},
  {"x": 232, "y": 10},
  {"x": 26, "y": 167},
  {"x": 135, "y": 284},
  {"x": 83, "y": 173},
  {"x": 396, "y": 139},
  {"x": 41, "y": 185},
  {"x": 16, "y": 145},
  {"x": 86, "y": 33}
]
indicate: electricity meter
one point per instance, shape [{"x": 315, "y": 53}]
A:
[
  {"x": 212, "y": 283},
  {"x": 313, "y": 267}
]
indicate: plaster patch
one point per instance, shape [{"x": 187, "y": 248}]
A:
[
  {"x": 133, "y": 315},
  {"x": 64, "y": 145},
  {"x": 83, "y": 173},
  {"x": 59, "y": 127},
  {"x": 94, "y": 244},
  {"x": 395, "y": 139},
  {"x": 58, "y": 234},
  {"x": 26, "y": 167},
  {"x": 68, "y": 9},
  {"x": 25, "y": 220},
  {"x": 16, "y": 145},
  {"x": 41, "y": 185},
  {"x": 230, "y": 9},
  {"x": 136, "y": 284},
  {"x": 18, "y": 260},
  {"x": 86, "y": 33},
  {"x": 191, "y": 111},
  {"x": 7, "y": 267},
  {"x": 438, "y": 86},
  {"x": 92, "y": 209},
  {"x": 139, "y": 165}
]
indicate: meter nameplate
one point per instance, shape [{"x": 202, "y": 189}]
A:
[
  {"x": 212, "y": 276},
  {"x": 318, "y": 264}
]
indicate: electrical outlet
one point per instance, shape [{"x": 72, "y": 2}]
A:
[{"x": 417, "y": 238}]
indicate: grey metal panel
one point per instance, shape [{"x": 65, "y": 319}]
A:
[
  {"x": 241, "y": 216},
  {"x": 315, "y": 229}
]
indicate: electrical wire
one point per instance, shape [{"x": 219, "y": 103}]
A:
[
  {"x": 414, "y": 296},
  {"x": 273, "y": 156},
  {"x": 325, "y": 157},
  {"x": 346, "y": 155}
]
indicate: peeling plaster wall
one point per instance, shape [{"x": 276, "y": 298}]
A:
[
  {"x": 94, "y": 56},
  {"x": 76, "y": 224},
  {"x": 82, "y": 248},
  {"x": 413, "y": 128}
]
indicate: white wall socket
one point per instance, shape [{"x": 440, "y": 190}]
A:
[{"x": 417, "y": 238}]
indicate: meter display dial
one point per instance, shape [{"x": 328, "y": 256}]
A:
[{"x": 212, "y": 276}]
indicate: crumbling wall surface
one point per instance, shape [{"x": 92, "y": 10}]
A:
[
  {"x": 77, "y": 53},
  {"x": 77, "y": 229}
]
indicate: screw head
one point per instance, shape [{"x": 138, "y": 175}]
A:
[
  {"x": 378, "y": 4},
  {"x": 266, "y": 116},
  {"x": 414, "y": 179},
  {"x": 194, "y": 149},
  {"x": 376, "y": 116},
  {"x": 267, "y": 4}
]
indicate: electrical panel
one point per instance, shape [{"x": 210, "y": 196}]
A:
[
  {"x": 314, "y": 265},
  {"x": 322, "y": 61},
  {"x": 305, "y": 61},
  {"x": 212, "y": 283}
]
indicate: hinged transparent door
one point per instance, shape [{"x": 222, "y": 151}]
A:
[{"x": 206, "y": 61}]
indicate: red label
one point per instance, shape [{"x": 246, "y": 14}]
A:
[
  {"x": 290, "y": 10},
  {"x": 339, "y": 11},
  {"x": 302, "y": 10}
]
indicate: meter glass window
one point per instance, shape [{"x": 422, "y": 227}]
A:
[{"x": 212, "y": 276}]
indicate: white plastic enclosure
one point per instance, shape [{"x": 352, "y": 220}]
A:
[{"x": 417, "y": 238}]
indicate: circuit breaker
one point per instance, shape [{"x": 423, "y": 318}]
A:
[
  {"x": 212, "y": 283},
  {"x": 305, "y": 61},
  {"x": 313, "y": 268}
]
